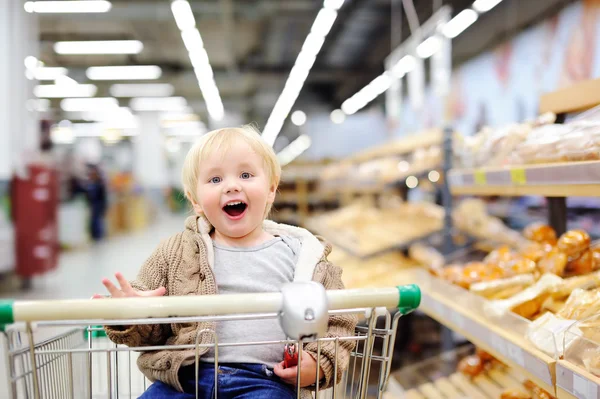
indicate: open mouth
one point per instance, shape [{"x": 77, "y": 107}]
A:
[{"x": 235, "y": 209}]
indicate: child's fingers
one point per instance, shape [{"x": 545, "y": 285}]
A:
[
  {"x": 114, "y": 291},
  {"x": 98, "y": 296},
  {"x": 125, "y": 286},
  {"x": 160, "y": 291},
  {"x": 288, "y": 375}
]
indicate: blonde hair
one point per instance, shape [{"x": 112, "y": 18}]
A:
[{"x": 221, "y": 140}]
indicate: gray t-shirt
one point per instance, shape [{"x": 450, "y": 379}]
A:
[{"x": 264, "y": 268}]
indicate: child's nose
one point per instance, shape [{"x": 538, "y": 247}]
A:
[{"x": 232, "y": 187}]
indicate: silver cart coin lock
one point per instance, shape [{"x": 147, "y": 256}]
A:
[{"x": 304, "y": 308}]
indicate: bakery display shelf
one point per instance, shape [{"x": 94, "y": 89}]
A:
[
  {"x": 437, "y": 377},
  {"x": 466, "y": 314},
  {"x": 376, "y": 187},
  {"x": 401, "y": 146},
  {"x": 577, "y": 97},
  {"x": 576, "y": 372},
  {"x": 580, "y": 179},
  {"x": 489, "y": 385},
  {"x": 315, "y": 198},
  {"x": 335, "y": 238},
  {"x": 573, "y": 382}
]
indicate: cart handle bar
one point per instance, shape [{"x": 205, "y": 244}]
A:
[{"x": 405, "y": 297}]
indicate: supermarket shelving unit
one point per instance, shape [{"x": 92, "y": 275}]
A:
[{"x": 556, "y": 182}]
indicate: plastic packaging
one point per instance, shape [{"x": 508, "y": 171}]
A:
[
  {"x": 527, "y": 303},
  {"x": 501, "y": 289}
]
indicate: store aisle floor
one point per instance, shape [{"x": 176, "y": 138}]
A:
[{"x": 80, "y": 271}]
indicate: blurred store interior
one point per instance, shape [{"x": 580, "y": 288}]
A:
[{"x": 427, "y": 140}]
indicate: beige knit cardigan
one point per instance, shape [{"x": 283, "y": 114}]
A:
[{"x": 183, "y": 265}]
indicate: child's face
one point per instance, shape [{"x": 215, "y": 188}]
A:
[{"x": 233, "y": 191}]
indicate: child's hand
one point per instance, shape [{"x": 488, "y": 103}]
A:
[
  {"x": 308, "y": 369},
  {"x": 126, "y": 289}
]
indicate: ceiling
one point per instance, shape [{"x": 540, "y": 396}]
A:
[{"x": 252, "y": 44}]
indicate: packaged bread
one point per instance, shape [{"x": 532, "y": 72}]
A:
[
  {"x": 591, "y": 359},
  {"x": 583, "y": 264},
  {"x": 492, "y": 289},
  {"x": 574, "y": 243},
  {"x": 536, "y": 391},
  {"x": 570, "y": 284},
  {"x": 514, "y": 393},
  {"x": 535, "y": 250},
  {"x": 581, "y": 304},
  {"x": 540, "y": 233},
  {"x": 427, "y": 256},
  {"x": 553, "y": 262},
  {"x": 527, "y": 302},
  {"x": 548, "y": 334},
  {"x": 471, "y": 366}
]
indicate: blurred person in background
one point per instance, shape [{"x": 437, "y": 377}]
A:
[{"x": 98, "y": 202}]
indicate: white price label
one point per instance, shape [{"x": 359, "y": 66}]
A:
[
  {"x": 457, "y": 320},
  {"x": 515, "y": 354},
  {"x": 438, "y": 308},
  {"x": 455, "y": 179},
  {"x": 583, "y": 388},
  {"x": 498, "y": 344}
]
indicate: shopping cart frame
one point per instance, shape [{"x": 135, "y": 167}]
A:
[{"x": 46, "y": 368}]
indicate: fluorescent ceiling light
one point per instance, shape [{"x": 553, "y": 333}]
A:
[
  {"x": 157, "y": 103},
  {"x": 298, "y": 118},
  {"x": 338, "y": 116},
  {"x": 120, "y": 113},
  {"x": 459, "y": 23},
  {"x": 304, "y": 62},
  {"x": 404, "y": 66},
  {"x": 88, "y": 6},
  {"x": 39, "y": 105},
  {"x": 312, "y": 44},
  {"x": 63, "y": 91},
  {"x": 88, "y": 104},
  {"x": 429, "y": 47},
  {"x": 130, "y": 72},
  {"x": 482, "y": 6},
  {"x": 294, "y": 149},
  {"x": 49, "y": 73},
  {"x": 99, "y": 47},
  {"x": 367, "y": 94},
  {"x": 324, "y": 21},
  {"x": 333, "y": 4},
  {"x": 184, "y": 17},
  {"x": 199, "y": 59},
  {"x": 192, "y": 40},
  {"x": 31, "y": 62},
  {"x": 64, "y": 80},
  {"x": 142, "y": 90}
]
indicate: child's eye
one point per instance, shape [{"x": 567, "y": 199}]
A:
[
  {"x": 215, "y": 180},
  {"x": 245, "y": 175}
]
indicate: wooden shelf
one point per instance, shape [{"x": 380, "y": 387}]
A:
[
  {"x": 573, "y": 382},
  {"x": 578, "y": 97},
  {"x": 401, "y": 146},
  {"x": 456, "y": 386},
  {"x": 580, "y": 179},
  {"x": 464, "y": 313}
]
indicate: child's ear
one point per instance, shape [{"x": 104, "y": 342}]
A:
[
  {"x": 195, "y": 205},
  {"x": 272, "y": 194}
]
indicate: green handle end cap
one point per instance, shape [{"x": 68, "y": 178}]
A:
[
  {"x": 409, "y": 298},
  {"x": 6, "y": 312}
]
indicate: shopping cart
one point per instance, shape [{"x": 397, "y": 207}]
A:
[{"x": 57, "y": 349}]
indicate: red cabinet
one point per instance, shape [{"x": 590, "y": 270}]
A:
[{"x": 35, "y": 211}]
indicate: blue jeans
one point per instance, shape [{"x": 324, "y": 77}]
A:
[{"x": 239, "y": 381}]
